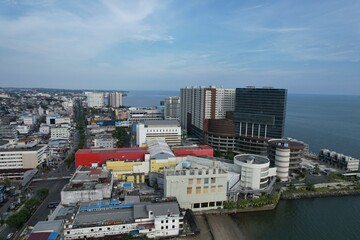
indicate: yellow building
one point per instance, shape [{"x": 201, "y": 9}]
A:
[
  {"x": 158, "y": 165},
  {"x": 129, "y": 171}
]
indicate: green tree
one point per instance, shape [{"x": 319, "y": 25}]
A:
[
  {"x": 230, "y": 154},
  {"x": 32, "y": 203},
  {"x": 119, "y": 135},
  {"x": 217, "y": 153},
  {"x": 310, "y": 187},
  {"x": 42, "y": 193}
]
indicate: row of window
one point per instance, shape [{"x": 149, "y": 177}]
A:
[
  {"x": 207, "y": 204},
  {"x": 204, "y": 190},
  {"x": 161, "y": 130},
  {"x": 198, "y": 180}
]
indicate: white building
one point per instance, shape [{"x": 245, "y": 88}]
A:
[
  {"x": 23, "y": 129},
  {"x": 115, "y": 99},
  {"x": 44, "y": 129},
  {"x": 60, "y": 132},
  {"x": 95, "y": 99},
  {"x": 103, "y": 142},
  {"x": 23, "y": 158},
  {"x": 170, "y": 130},
  {"x": 196, "y": 187},
  {"x": 254, "y": 171},
  {"x": 87, "y": 184},
  {"x": 56, "y": 119},
  {"x": 135, "y": 115},
  {"x": 28, "y": 120},
  {"x": 107, "y": 218},
  {"x": 339, "y": 160}
]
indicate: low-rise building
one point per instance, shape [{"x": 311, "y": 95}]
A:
[
  {"x": 254, "y": 171},
  {"x": 57, "y": 119},
  {"x": 60, "y": 132},
  {"x": 196, "y": 187},
  {"x": 113, "y": 218},
  {"x": 339, "y": 160},
  {"x": 135, "y": 115},
  {"x": 23, "y": 158},
  {"x": 44, "y": 129},
  {"x": 28, "y": 119},
  {"x": 15, "y": 162},
  {"x": 103, "y": 142},
  {"x": 98, "y": 157},
  {"x": 193, "y": 150},
  {"x": 87, "y": 184},
  {"x": 170, "y": 130}
]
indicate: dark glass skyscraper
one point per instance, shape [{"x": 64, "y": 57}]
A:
[{"x": 259, "y": 116}]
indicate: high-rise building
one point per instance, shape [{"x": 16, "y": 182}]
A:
[
  {"x": 259, "y": 116},
  {"x": 95, "y": 99},
  {"x": 172, "y": 108},
  {"x": 115, "y": 99},
  {"x": 202, "y": 108}
]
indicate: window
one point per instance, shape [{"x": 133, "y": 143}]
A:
[
  {"x": 189, "y": 191},
  {"x": 173, "y": 220},
  {"x": 218, "y": 204},
  {"x": 212, "y": 188},
  {"x": 167, "y": 221},
  {"x": 173, "y": 226},
  {"x": 204, "y": 204},
  {"x": 190, "y": 181},
  {"x": 198, "y": 181},
  {"x": 162, "y": 227},
  {"x": 196, "y": 205},
  {"x": 220, "y": 188},
  {"x": 212, "y": 180},
  {"x": 206, "y": 189},
  {"x": 211, "y": 204},
  {"x": 166, "y": 227},
  {"x": 198, "y": 190},
  {"x": 206, "y": 180},
  {"x": 162, "y": 221}
]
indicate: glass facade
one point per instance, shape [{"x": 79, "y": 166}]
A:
[
  {"x": 259, "y": 115},
  {"x": 260, "y": 112}
]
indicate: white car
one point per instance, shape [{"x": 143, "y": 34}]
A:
[{"x": 9, "y": 235}]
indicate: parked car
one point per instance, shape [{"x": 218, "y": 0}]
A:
[{"x": 9, "y": 236}]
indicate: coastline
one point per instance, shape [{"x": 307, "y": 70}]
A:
[
  {"x": 333, "y": 193},
  {"x": 218, "y": 224}
]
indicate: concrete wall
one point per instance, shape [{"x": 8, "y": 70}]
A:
[{"x": 191, "y": 189}]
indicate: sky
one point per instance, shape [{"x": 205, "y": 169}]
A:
[{"x": 305, "y": 46}]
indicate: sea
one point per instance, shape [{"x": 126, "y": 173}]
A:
[{"x": 322, "y": 121}]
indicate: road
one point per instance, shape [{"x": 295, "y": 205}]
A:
[
  {"x": 42, "y": 212},
  {"x": 54, "y": 187}
]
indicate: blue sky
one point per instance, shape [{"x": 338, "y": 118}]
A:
[{"x": 304, "y": 46}]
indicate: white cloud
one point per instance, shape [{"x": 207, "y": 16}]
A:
[{"x": 61, "y": 34}]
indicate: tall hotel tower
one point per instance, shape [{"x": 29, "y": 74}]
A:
[
  {"x": 203, "y": 114},
  {"x": 259, "y": 116}
]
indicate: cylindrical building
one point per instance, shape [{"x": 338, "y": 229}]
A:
[
  {"x": 254, "y": 171},
  {"x": 286, "y": 155}
]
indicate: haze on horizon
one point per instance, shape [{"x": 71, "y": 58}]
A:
[{"x": 304, "y": 46}]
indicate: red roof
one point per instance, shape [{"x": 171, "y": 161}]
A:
[{"x": 39, "y": 236}]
